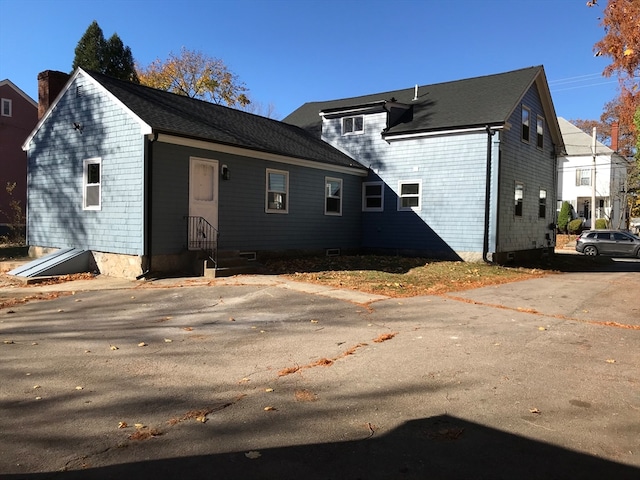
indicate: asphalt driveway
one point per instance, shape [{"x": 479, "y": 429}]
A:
[{"x": 256, "y": 377}]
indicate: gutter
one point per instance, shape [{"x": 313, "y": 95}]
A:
[
  {"x": 148, "y": 204},
  {"x": 487, "y": 196}
]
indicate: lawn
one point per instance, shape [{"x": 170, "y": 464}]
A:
[{"x": 400, "y": 276}]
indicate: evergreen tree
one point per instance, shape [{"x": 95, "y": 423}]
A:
[
  {"x": 564, "y": 217},
  {"x": 110, "y": 57}
]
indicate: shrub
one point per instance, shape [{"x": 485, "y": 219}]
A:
[
  {"x": 601, "y": 224},
  {"x": 564, "y": 217},
  {"x": 16, "y": 217},
  {"x": 575, "y": 226}
]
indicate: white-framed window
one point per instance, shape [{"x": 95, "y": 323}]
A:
[
  {"x": 6, "y": 107},
  {"x": 92, "y": 184},
  {"x": 542, "y": 204},
  {"x": 583, "y": 176},
  {"x": 333, "y": 196},
  {"x": 277, "y": 191},
  {"x": 540, "y": 132},
  {"x": 526, "y": 123},
  {"x": 519, "y": 198},
  {"x": 353, "y": 125},
  {"x": 410, "y": 194},
  {"x": 372, "y": 197}
]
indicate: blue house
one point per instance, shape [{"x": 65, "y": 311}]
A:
[
  {"x": 148, "y": 181},
  {"x": 459, "y": 170}
]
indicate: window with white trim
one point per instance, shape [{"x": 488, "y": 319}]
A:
[
  {"x": 372, "y": 197},
  {"x": 583, "y": 176},
  {"x": 526, "y": 123},
  {"x": 353, "y": 125},
  {"x": 540, "y": 132},
  {"x": 333, "y": 196},
  {"x": 92, "y": 184},
  {"x": 277, "y": 191},
  {"x": 542, "y": 204},
  {"x": 6, "y": 107},
  {"x": 519, "y": 199},
  {"x": 409, "y": 197}
]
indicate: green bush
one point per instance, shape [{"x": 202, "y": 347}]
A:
[
  {"x": 601, "y": 224},
  {"x": 564, "y": 217},
  {"x": 575, "y": 226}
]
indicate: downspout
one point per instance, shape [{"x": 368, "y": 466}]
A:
[
  {"x": 148, "y": 204},
  {"x": 487, "y": 196}
]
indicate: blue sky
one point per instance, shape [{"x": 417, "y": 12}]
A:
[{"x": 288, "y": 52}]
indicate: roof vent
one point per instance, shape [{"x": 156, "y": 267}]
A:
[{"x": 415, "y": 94}]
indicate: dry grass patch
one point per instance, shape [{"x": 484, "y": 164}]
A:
[{"x": 399, "y": 276}]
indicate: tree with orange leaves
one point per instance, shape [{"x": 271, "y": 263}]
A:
[
  {"x": 195, "y": 75},
  {"x": 621, "y": 44}
]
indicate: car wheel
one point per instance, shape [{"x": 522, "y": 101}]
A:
[{"x": 590, "y": 250}]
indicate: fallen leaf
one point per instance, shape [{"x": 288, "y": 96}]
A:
[
  {"x": 252, "y": 455},
  {"x": 384, "y": 337}
]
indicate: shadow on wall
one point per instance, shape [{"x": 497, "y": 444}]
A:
[
  {"x": 441, "y": 447},
  {"x": 394, "y": 232}
]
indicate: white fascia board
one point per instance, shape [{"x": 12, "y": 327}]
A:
[
  {"x": 439, "y": 133},
  {"x": 246, "y": 152},
  {"x": 144, "y": 127}
]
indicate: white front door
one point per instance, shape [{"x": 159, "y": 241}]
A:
[{"x": 203, "y": 189}]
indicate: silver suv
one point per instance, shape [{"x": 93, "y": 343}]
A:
[{"x": 608, "y": 242}]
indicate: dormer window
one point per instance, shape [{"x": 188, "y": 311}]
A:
[{"x": 353, "y": 125}]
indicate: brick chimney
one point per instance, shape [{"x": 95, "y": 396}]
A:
[
  {"x": 615, "y": 136},
  {"x": 50, "y": 84}
]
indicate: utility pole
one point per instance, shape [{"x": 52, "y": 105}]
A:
[{"x": 593, "y": 181}]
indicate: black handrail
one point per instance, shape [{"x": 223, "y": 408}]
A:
[{"x": 201, "y": 235}]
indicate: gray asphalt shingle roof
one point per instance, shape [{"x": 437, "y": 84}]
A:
[
  {"x": 479, "y": 101},
  {"x": 180, "y": 115}
]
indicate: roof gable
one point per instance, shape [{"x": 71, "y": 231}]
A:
[{"x": 10, "y": 84}]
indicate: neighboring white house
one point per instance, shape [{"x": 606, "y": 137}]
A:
[{"x": 575, "y": 178}]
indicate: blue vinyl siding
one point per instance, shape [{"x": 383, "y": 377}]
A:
[
  {"x": 242, "y": 221},
  {"x": 55, "y": 169},
  {"x": 535, "y": 168},
  {"x": 452, "y": 170}
]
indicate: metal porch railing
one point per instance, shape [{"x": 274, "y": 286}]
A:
[{"x": 204, "y": 237}]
